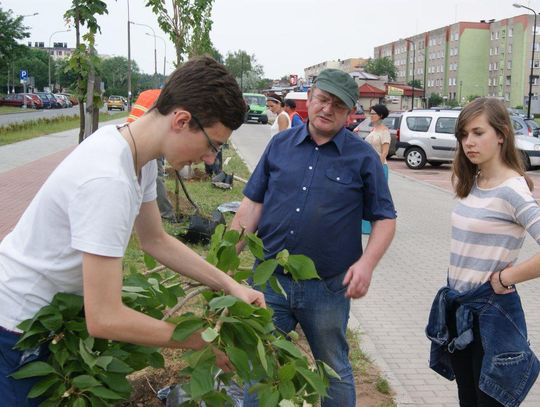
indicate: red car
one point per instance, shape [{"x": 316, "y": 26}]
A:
[{"x": 20, "y": 99}]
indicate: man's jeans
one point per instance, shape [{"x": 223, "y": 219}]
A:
[
  {"x": 14, "y": 392},
  {"x": 321, "y": 309}
]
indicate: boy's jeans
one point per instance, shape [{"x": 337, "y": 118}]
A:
[
  {"x": 321, "y": 309},
  {"x": 14, "y": 392}
]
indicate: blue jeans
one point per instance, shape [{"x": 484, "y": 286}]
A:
[
  {"x": 322, "y": 310},
  {"x": 14, "y": 392}
]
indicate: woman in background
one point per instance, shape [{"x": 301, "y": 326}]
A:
[
  {"x": 275, "y": 104},
  {"x": 379, "y": 138}
]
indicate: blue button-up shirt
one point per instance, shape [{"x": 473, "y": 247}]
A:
[{"x": 314, "y": 197}]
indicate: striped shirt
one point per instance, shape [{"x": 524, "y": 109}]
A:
[{"x": 488, "y": 229}]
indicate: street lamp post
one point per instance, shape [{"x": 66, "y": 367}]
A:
[
  {"x": 413, "y": 60},
  {"x": 56, "y": 32},
  {"x": 154, "y": 34},
  {"x": 517, "y": 5},
  {"x": 164, "y": 51},
  {"x": 129, "y": 59}
]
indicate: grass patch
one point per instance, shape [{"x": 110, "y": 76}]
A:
[
  {"x": 13, "y": 109},
  {"x": 383, "y": 386},
  {"x": 359, "y": 360},
  {"x": 29, "y": 129}
]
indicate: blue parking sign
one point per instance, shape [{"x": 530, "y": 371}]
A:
[{"x": 23, "y": 74}]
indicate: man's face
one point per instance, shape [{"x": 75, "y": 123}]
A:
[
  {"x": 327, "y": 113},
  {"x": 197, "y": 144}
]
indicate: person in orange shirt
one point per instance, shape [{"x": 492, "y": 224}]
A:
[{"x": 143, "y": 103}]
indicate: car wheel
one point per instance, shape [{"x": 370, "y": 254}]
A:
[
  {"x": 526, "y": 161},
  {"x": 264, "y": 120},
  {"x": 415, "y": 158},
  {"x": 435, "y": 163}
]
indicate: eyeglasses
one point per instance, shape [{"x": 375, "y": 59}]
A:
[
  {"x": 214, "y": 148},
  {"x": 335, "y": 104}
]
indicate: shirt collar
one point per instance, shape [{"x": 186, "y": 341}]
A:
[{"x": 338, "y": 139}]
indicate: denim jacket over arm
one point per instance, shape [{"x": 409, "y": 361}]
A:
[{"x": 509, "y": 367}]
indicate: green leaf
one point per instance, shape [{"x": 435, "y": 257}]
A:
[
  {"x": 118, "y": 383},
  {"x": 277, "y": 287},
  {"x": 103, "y": 361},
  {"x": 149, "y": 262},
  {"x": 105, "y": 393},
  {"x": 287, "y": 347},
  {"x": 118, "y": 366},
  {"x": 186, "y": 328},
  {"x": 222, "y": 302},
  {"x": 201, "y": 382},
  {"x": 314, "y": 380},
  {"x": 287, "y": 372},
  {"x": 32, "y": 370},
  {"x": 269, "y": 398},
  {"x": 286, "y": 389},
  {"x": 329, "y": 371},
  {"x": 263, "y": 271},
  {"x": 283, "y": 257},
  {"x": 42, "y": 386},
  {"x": 232, "y": 236},
  {"x": 228, "y": 259},
  {"x": 84, "y": 382},
  {"x": 70, "y": 305},
  {"x": 86, "y": 354},
  {"x": 80, "y": 402},
  {"x": 301, "y": 267},
  {"x": 239, "y": 359},
  {"x": 209, "y": 334},
  {"x": 241, "y": 309},
  {"x": 255, "y": 245},
  {"x": 262, "y": 354}
]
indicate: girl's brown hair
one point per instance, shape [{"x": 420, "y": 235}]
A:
[{"x": 464, "y": 171}]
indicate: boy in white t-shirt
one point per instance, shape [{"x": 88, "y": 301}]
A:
[{"x": 73, "y": 235}]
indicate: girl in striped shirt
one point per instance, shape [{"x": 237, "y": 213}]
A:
[{"x": 495, "y": 210}]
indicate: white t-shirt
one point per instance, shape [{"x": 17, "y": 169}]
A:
[
  {"x": 88, "y": 204},
  {"x": 275, "y": 126}
]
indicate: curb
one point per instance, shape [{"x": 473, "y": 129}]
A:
[{"x": 401, "y": 396}]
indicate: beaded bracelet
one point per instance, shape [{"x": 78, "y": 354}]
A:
[{"x": 508, "y": 287}]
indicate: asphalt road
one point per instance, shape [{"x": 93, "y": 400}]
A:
[{"x": 32, "y": 114}]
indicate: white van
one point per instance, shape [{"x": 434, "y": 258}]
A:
[{"x": 427, "y": 136}]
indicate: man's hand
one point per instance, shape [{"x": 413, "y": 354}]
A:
[
  {"x": 358, "y": 279},
  {"x": 248, "y": 295}
]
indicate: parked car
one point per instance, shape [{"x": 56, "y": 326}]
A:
[
  {"x": 534, "y": 126},
  {"x": 517, "y": 112},
  {"x": 18, "y": 100},
  {"x": 115, "y": 102},
  {"x": 256, "y": 104},
  {"x": 37, "y": 102},
  {"x": 428, "y": 136},
  {"x": 355, "y": 118},
  {"x": 72, "y": 99},
  {"x": 63, "y": 99},
  {"x": 392, "y": 122},
  {"x": 521, "y": 126},
  {"x": 49, "y": 101}
]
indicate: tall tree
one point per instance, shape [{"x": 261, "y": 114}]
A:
[
  {"x": 11, "y": 31},
  {"x": 84, "y": 60},
  {"x": 36, "y": 62},
  {"x": 188, "y": 27},
  {"x": 382, "y": 66}
]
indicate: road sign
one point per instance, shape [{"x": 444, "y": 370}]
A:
[{"x": 23, "y": 74}]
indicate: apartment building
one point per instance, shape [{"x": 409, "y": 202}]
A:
[
  {"x": 486, "y": 58},
  {"x": 59, "y": 50}
]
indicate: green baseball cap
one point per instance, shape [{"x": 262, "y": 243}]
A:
[{"x": 340, "y": 84}]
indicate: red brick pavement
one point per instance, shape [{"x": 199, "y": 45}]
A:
[
  {"x": 440, "y": 176},
  {"x": 18, "y": 187}
]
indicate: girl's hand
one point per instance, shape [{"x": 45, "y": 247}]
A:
[{"x": 495, "y": 281}]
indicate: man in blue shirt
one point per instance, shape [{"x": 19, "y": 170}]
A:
[
  {"x": 308, "y": 194},
  {"x": 290, "y": 108}
]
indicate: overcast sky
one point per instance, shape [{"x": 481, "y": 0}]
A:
[{"x": 284, "y": 35}]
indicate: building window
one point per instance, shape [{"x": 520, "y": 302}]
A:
[
  {"x": 509, "y": 65},
  {"x": 510, "y": 32},
  {"x": 509, "y": 48},
  {"x": 536, "y": 63}
]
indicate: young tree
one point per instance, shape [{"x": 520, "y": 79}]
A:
[
  {"x": 188, "y": 27},
  {"x": 417, "y": 83},
  {"x": 84, "y": 59},
  {"x": 435, "y": 100},
  {"x": 382, "y": 66}
]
